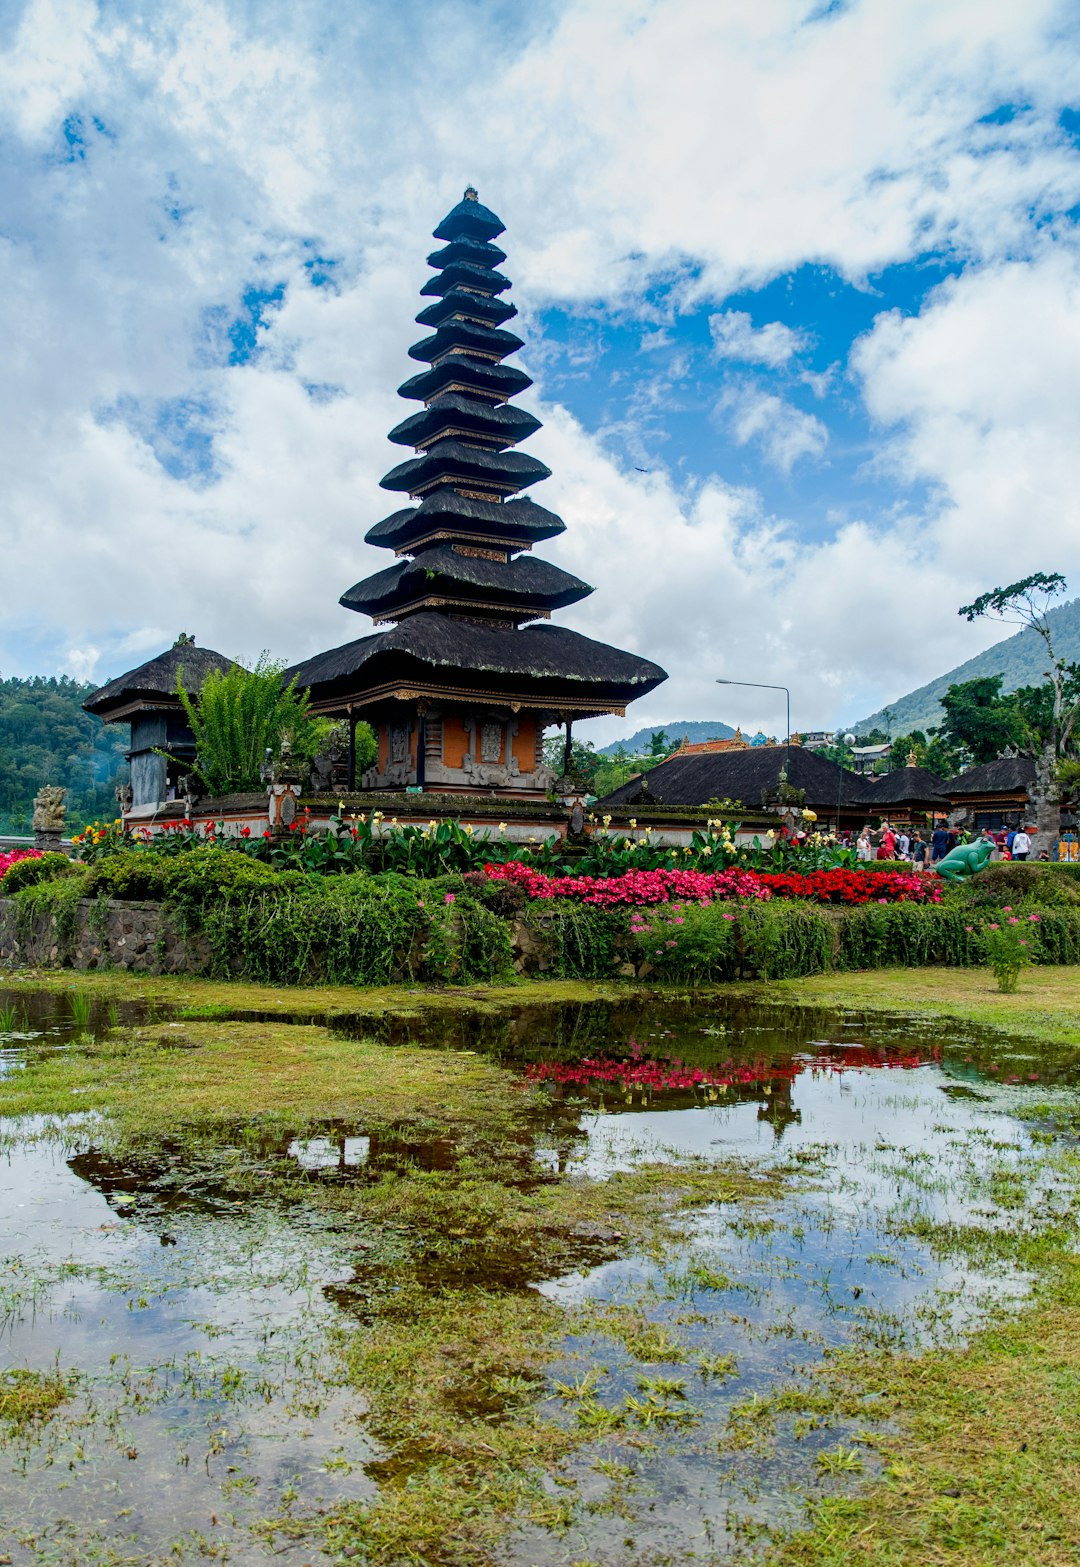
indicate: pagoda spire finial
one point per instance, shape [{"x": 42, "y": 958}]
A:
[{"x": 471, "y": 193}]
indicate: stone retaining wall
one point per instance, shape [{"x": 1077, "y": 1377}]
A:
[{"x": 142, "y": 937}]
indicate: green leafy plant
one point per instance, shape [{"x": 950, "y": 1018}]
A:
[
  {"x": 1011, "y": 944},
  {"x": 242, "y": 715}
]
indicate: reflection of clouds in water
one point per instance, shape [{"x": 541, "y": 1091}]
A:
[
  {"x": 776, "y": 1285},
  {"x": 237, "y": 1291}
]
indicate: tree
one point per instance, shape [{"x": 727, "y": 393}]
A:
[
  {"x": 47, "y": 738},
  {"x": 931, "y": 750},
  {"x": 1050, "y": 733},
  {"x": 980, "y": 720}
]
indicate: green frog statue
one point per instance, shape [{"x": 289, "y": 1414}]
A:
[{"x": 965, "y": 861}]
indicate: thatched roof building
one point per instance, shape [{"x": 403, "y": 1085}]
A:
[{"x": 162, "y": 744}]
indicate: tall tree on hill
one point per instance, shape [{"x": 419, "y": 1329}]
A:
[{"x": 1049, "y": 736}]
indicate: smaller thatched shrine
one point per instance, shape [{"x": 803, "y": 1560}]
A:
[{"x": 162, "y": 744}]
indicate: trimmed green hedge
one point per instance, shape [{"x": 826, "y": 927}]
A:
[{"x": 288, "y": 927}]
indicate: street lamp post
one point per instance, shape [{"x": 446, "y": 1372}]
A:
[
  {"x": 759, "y": 685},
  {"x": 843, "y": 741}
]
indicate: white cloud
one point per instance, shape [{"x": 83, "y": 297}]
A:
[
  {"x": 783, "y": 432},
  {"x": 982, "y": 394},
  {"x": 224, "y": 146},
  {"x": 735, "y": 337}
]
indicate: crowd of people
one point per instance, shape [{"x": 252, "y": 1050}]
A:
[{"x": 925, "y": 849}]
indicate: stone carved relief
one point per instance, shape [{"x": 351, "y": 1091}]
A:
[{"x": 491, "y": 742}]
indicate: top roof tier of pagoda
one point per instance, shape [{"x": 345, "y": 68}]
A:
[{"x": 465, "y": 468}]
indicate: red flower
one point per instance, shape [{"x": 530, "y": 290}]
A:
[{"x": 245, "y": 832}]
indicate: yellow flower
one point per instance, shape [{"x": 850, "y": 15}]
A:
[
  {"x": 433, "y": 824},
  {"x": 633, "y": 821},
  {"x": 502, "y": 826},
  {"x": 341, "y": 807},
  {"x": 469, "y": 827},
  {"x": 607, "y": 821}
]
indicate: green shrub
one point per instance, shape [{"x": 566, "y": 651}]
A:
[
  {"x": 359, "y": 930},
  {"x": 466, "y": 942},
  {"x": 209, "y": 874},
  {"x": 690, "y": 941},
  {"x": 130, "y": 875},
  {"x": 28, "y": 873},
  {"x": 584, "y": 942},
  {"x": 783, "y": 940},
  {"x": 1013, "y": 881}
]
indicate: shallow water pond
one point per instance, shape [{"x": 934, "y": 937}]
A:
[{"x": 199, "y": 1300}]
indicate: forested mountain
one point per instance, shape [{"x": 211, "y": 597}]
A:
[
  {"x": 46, "y": 738},
  {"x": 1020, "y": 660},
  {"x": 696, "y": 728}
]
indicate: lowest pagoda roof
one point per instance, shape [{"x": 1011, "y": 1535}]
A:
[
  {"x": 435, "y": 654},
  {"x": 153, "y": 684}
]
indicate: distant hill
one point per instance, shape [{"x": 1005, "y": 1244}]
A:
[
  {"x": 696, "y": 728},
  {"x": 46, "y": 738},
  {"x": 1021, "y": 660}
]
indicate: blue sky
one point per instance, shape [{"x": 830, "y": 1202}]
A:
[{"x": 800, "y": 289}]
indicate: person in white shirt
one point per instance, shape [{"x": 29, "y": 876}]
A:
[
  {"x": 903, "y": 843},
  {"x": 1021, "y": 845},
  {"x": 865, "y": 847}
]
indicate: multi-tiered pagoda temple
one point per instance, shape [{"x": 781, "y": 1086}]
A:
[{"x": 462, "y": 684}]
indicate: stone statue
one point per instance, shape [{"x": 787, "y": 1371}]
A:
[
  {"x": 124, "y": 795},
  {"x": 49, "y": 814},
  {"x": 965, "y": 861},
  {"x": 49, "y": 811}
]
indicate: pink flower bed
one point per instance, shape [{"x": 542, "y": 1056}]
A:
[
  {"x": 633, "y": 886},
  {"x": 13, "y": 856},
  {"x": 650, "y": 887}
]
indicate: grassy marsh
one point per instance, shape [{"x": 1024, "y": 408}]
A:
[{"x": 481, "y": 1350}]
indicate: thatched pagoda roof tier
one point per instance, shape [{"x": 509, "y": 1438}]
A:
[
  {"x": 906, "y": 786},
  {"x": 463, "y": 373},
  {"x": 496, "y": 424},
  {"x": 476, "y": 252},
  {"x": 469, "y": 220},
  {"x": 515, "y": 525},
  {"x": 154, "y": 683},
  {"x": 473, "y": 307},
  {"x": 517, "y": 590},
  {"x": 462, "y": 274},
  {"x": 454, "y": 462},
  {"x": 466, "y": 337},
  {"x": 441, "y": 655}
]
